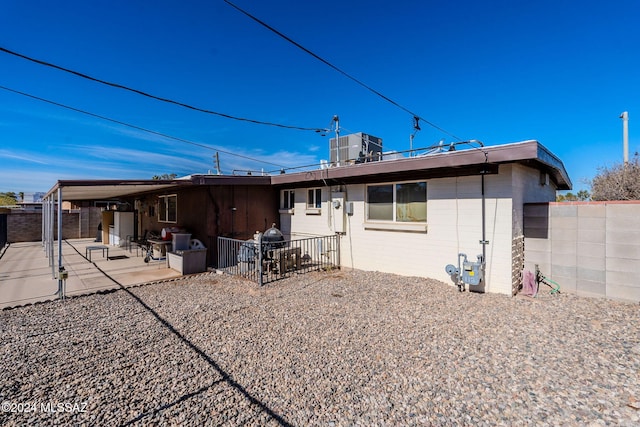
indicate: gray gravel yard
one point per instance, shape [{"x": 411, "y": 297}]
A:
[{"x": 338, "y": 348}]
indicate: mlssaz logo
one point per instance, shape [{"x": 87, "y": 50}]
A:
[{"x": 51, "y": 407}]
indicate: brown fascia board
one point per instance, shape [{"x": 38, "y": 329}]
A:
[
  {"x": 555, "y": 168},
  {"x": 75, "y": 190},
  {"x": 231, "y": 179},
  {"x": 457, "y": 163}
]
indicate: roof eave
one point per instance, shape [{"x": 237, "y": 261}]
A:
[
  {"x": 109, "y": 189},
  {"x": 465, "y": 161}
]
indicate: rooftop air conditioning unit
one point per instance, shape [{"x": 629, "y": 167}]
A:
[{"x": 355, "y": 148}]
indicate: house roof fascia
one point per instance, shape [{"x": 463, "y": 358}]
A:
[
  {"x": 558, "y": 170},
  {"x": 231, "y": 179},
  {"x": 463, "y": 162},
  {"x": 458, "y": 163}
]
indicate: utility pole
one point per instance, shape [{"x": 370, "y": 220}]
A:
[
  {"x": 625, "y": 136},
  {"x": 337, "y": 120},
  {"x": 416, "y": 128},
  {"x": 217, "y": 159}
]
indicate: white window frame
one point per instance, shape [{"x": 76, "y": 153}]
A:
[
  {"x": 287, "y": 201},
  {"x": 314, "y": 201},
  {"x": 393, "y": 224},
  {"x": 164, "y": 216}
]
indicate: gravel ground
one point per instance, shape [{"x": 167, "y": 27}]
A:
[{"x": 338, "y": 348}]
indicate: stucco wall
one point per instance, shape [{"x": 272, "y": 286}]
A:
[
  {"x": 454, "y": 225},
  {"x": 528, "y": 186},
  {"x": 590, "y": 249}
]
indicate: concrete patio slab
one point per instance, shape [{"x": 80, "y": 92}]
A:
[{"x": 26, "y": 275}]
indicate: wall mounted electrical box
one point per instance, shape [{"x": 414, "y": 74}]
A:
[
  {"x": 338, "y": 212},
  {"x": 348, "y": 208}
]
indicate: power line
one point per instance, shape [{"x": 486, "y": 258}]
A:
[
  {"x": 344, "y": 73},
  {"x": 164, "y": 135},
  {"x": 148, "y": 95}
]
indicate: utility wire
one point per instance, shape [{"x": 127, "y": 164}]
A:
[
  {"x": 344, "y": 73},
  {"x": 164, "y": 135},
  {"x": 148, "y": 95}
]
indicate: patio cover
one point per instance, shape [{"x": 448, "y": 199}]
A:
[
  {"x": 86, "y": 190},
  {"x": 108, "y": 189}
]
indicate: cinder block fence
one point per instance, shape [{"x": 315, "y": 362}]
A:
[
  {"x": 26, "y": 226},
  {"x": 589, "y": 248}
]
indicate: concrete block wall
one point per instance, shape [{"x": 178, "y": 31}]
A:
[
  {"x": 26, "y": 226},
  {"x": 89, "y": 219},
  {"x": 622, "y": 249},
  {"x": 589, "y": 248},
  {"x": 517, "y": 263}
]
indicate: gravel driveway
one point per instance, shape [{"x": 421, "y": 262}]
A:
[{"x": 339, "y": 348}]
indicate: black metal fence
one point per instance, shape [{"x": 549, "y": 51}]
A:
[{"x": 265, "y": 262}]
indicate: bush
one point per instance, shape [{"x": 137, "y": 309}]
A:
[
  {"x": 619, "y": 182},
  {"x": 8, "y": 199},
  {"x": 582, "y": 196}
]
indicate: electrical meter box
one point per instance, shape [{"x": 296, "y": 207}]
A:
[{"x": 338, "y": 211}]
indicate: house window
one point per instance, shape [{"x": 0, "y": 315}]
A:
[
  {"x": 380, "y": 202},
  {"x": 401, "y": 202},
  {"x": 314, "y": 199},
  {"x": 411, "y": 202},
  {"x": 168, "y": 208},
  {"x": 287, "y": 199}
]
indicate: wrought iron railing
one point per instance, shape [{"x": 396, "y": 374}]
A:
[{"x": 264, "y": 262}]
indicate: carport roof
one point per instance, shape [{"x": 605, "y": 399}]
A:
[
  {"x": 108, "y": 189},
  {"x": 116, "y": 188}
]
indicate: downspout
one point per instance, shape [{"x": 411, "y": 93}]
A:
[{"x": 484, "y": 242}]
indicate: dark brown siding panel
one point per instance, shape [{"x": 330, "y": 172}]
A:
[
  {"x": 207, "y": 211},
  {"x": 536, "y": 220}
]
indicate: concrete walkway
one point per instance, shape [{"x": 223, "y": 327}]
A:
[{"x": 26, "y": 276}]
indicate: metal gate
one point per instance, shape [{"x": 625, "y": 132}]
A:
[{"x": 264, "y": 262}]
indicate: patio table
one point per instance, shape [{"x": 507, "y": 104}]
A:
[{"x": 89, "y": 249}]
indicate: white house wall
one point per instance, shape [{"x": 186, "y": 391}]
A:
[{"x": 454, "y": 225}]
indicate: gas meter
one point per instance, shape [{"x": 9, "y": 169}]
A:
[{"x": 467, "y": 272}]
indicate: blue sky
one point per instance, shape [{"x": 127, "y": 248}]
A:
[{"x": 557, "y": 71}]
